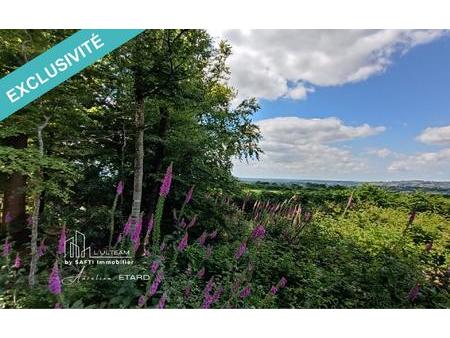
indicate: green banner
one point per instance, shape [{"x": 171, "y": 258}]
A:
[{"x": 58, "y": 64}]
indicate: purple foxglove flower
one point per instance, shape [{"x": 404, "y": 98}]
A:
[
  {"x": 17, "y": 262},
  {"x": 62, "y": 242},
  {"x": 58, "y": 306},
  {"x": 240, "y": 251},
  {"x": 155, "y": 285},
  {"x": 201, "y": 272},
  {"x": 245, "y": 292},
  {"x": 259, "y": 232},
  {"x": 414, "y": 293},
  {"x": 137, "y": 230},
  {"x": 208, "y": 298},
  {"x": 135, "y": 237},
  {"x": 208, "y": 253},
  {"x": 8, "y": 218},
  {"x": 42, "y": 249},
  {"x": 167, "y": 181},
  {"x": 182, "y": 224},
  {"x": 141, "y": 301},
  {"x": 154, "y": 267},
  {"x": 273, "y": 290},
  {"x": 209, "y": 286},
  {"x": 127, "y": 228},
  {"x": 54, "y": 281},
  {"x": 119, "y": 189},
  {"x": 202, "y": 238},
  {"x": 183, "y": 243},
  {"x": 6, "y": 248},
  {"x": 213, "y": 234},
  {"x": 189, "y": 195},
  {"x": 192, "y": 222},
  {"x": 282, "y": 283},
  {"x": 162, "y": 301},
  {"x": 207, "y": 301}
]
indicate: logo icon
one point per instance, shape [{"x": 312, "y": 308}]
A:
[{"x": 76, "y": 249}]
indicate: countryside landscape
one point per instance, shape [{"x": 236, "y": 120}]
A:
[{"x": 195, "y": 169}]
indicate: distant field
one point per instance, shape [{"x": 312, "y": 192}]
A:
[{"x": 442, "y": 187}]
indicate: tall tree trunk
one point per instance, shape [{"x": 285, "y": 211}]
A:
[
  {"x": 14, "y": 197},
  {"x": 35, "y": 216},
  {"x": 139, "y": 123},
  {"x": 160, "y": 152},
  {"x": 138, "y": 161}
]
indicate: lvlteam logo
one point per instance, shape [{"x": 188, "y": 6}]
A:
[{"x": 76, "y": 253}]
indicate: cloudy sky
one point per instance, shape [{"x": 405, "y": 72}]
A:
[{"x": 340, "y": 104}]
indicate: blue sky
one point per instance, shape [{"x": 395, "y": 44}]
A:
[
  {"x": 376, "y": 106},
  {"x": 410, "y": 95}
]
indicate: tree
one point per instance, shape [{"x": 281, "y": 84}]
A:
[{"x": 162, "y": 97}]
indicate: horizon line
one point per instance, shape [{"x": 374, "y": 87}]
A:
[{"x": 339, "y": 180}]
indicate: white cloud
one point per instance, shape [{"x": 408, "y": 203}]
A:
[
  {"x": 299, "y": 147},
  {"x": 431, "y": 164},
  {"x": 265, "y": 63},
  {"x": 382, "y": 153},
  {"x": 422, "y": 162},
  {"x": 299, "y": 92},
  {"x": 295, "y": 130},
  {"x": 436, "y": 135}
]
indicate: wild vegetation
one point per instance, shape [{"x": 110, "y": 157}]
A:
[{"x": 136, "y": 153}]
